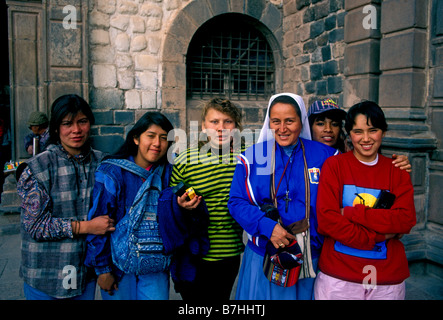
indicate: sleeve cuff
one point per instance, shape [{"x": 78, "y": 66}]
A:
[{"x": 101, "y": 270}]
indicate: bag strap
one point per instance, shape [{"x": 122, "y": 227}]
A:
[
  {"x": 307, "y": 185},
  {"x": 129, "y": 166},
  {"x": 144, "y": 188}
]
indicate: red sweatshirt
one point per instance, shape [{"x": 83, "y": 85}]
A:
[{"x": 355, "y": 239}]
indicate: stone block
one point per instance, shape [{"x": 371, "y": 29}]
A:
[
  {"x": 106, "y": 99},
  {"x": 321, "y": 88},
  {"x": 172, "y": 4},
  {"x": 330, "y": 68},
  {"x": 352, "y": 4},
  {"x": 125, "y": 79},
  {"x": 123, "y": 117},
  {"x": 403, "y": 50},
  {"x": 255, "y": 8},
  {"x": 406, "y": 89},
  {"x": 154, "y": 16},
  {"x": 99, "y": 37},
  {"x": 127, "y": 7},
  {"x": 335, "y": 5},
  {"x": 316, "y": 71},
  {"x": 106, "y": 6},
  {"x": 336, "y": 35},
  {"x": 120, "y": 22},
  {"x": 146, "y": 62},
  {"x": 154, "y": 44},
  {"x": 107, "y": 143},
  {"x": 149, "y": 99},
  {"x": 174, "y": 74},
  {"x": 317, "y": 28},
  {"x": 103, "y": 117},
  {"x": 326, "y": 53},
  {"x": 105, "y": 130},
  {"x": 321, "y": 10},
  {"x": 355, "y": 30},
  {"x": 330, "y": 22},
  {"x": 123, "y": 60},
  {"x": 308, "y": 15},
  {"x": 362, "y": 57},
  {"x": 272, "y": 18},
  {"x": 137, "y": 24},
  {"x": 219, "y": 7},
  {"x": 302, "y": 3},
  {"x": 335, "y": 85},
  {"x": 310, "y": 87},
  {"x": 322, "y": 39},
  {"x": 104, "y": 76},
  {"x": 402, "y": 14},
  {"x": 138, "y": 43},
  {"x": 435, "y": 196},
  {"x": 309, "y": 46},
  {"x": 146, "y": 80},
  {"x": 121, "y": 42},
  {"x": 436, "y": 124},
  {"x": 99, "y": 19},
  {"x": 102, "y": 54},
  {"x": 359, "y": 88},
  {"x": 132, "y": 99},
  {"x": 173, "y": 116},
  {"x": 438, "y": 82}
]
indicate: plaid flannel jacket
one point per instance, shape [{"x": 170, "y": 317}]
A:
[{"x": 55, "y": 189}]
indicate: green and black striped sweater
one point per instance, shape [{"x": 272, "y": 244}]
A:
[{"x": 211, "y": 175}]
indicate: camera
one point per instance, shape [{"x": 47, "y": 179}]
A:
[{"x": 270, "y": 211}]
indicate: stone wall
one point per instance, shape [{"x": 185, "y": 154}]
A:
[
  {"x": 313, "y": 49},
  {"x": 129, "y": 56},
  {"x": 125, "y": 40}
]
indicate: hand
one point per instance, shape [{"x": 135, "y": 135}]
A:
[
  {"x": 106, "y": 281},
  {"x": 99, "y": 225},
  {"x": 280, "y": 237},
  {"x": 401, "y": 161},
  {"x": 191, "y": 204}
]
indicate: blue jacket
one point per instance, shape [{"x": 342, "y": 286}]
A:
[
  {"x": 184, "y": 234},
  {"x": 251, "y": 189},
  {"x": 113, "y": 194}
]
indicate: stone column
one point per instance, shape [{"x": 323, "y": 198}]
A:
[{"x": 362, "y": 38}]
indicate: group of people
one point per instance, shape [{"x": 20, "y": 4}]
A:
[{"x": 118, "y": 221}]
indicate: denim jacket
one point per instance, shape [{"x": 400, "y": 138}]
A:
[{"x": 113, "y": 194}]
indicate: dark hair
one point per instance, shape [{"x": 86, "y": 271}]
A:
[
  {"x": 69, "y": 104},
  {"x": 334, "y": 116},
  {"x": 287, "y": 100},
  {"x": 371, "y": 110},
  {"x": 129, "y": 148}
]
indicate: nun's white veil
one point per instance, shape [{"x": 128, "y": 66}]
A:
[{"x": 267, "y": 134}]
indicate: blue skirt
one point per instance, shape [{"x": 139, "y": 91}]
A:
[{"x": 253, "y": 284}]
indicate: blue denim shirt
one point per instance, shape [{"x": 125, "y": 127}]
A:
[{"x": 113, "y": 194}]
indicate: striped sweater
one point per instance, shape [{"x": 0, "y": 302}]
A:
[{"x": 211, "y": 176}]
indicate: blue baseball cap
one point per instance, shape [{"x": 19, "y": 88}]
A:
[{"x": 321, "y": 106}]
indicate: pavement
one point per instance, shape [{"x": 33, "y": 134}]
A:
[{"x": 419, "y": 286}]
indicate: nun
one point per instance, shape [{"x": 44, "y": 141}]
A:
[{"x": 273, "y": 197}]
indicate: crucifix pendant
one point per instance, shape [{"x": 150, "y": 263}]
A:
[{"x": 287, "y": 199}]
